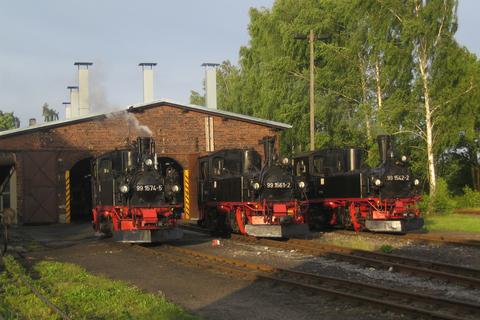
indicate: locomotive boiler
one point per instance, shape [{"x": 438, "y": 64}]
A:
[
  {"x": 238, "y": 193},
  {"x": 135, "y": 199},
  {"x": 344, "y": 192}
]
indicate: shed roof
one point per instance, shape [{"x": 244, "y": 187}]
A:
[{"x": 138, "y": 107}]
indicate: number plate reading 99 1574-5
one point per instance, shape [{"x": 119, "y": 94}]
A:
[
  {"x": 149, "y": 187},
  {"x": 278, "y": 185}
]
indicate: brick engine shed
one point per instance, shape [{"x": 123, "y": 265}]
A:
[{"x": 52, "y": 160}]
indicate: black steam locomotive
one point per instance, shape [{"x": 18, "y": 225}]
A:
[
  {"x": 136, "y": 198},
  {"x": 343, "y": 191},
  {"x": 237, "y": 193}
]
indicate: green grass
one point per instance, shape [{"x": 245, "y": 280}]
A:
[
  {"x": 80, "y": 295},
  {"x": 453, "y": 222}
]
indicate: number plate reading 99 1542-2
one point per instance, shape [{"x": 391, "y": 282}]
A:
[
  {"x": 279, "y": 185},
  {"x": 149, "y": 187},
  {"x": 398, "y": 177}
]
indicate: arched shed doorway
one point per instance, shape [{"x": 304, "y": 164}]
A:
[
  {"x": 172, "y": 169},
  {"x": 81, "y": 191}
]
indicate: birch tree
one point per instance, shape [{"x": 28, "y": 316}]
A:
[{"x": 432, "y": 22}]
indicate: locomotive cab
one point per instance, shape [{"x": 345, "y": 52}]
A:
[
  {"x": 133, "y": 198},
  {"x": 237, "y": 193},
  {"x": 344, "y": 192}
]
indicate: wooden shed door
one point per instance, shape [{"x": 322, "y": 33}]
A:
[{"x": 40, "y": 187}]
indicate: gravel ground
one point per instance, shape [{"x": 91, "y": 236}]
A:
[
  {"x": 211, "y": 295},
  {"x": 319, "y": 265}
]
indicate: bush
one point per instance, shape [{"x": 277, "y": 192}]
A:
[
  {"x": 440, "y": 203},
  {"x": 469, "y": 199}
]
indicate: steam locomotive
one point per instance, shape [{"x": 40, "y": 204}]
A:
[
  {"x": 237, "y": 193},
  {"x": 136, "y": 198},
  {"x": 343, "y": 191}
]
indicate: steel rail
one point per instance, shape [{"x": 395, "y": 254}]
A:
[
  {"x": 23, "y": 281},
  {"x": 393, "y": 299},
  {"x": 451, "y": 273},
  {"x": 422, "y": 238}
]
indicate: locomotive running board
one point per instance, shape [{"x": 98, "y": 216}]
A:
[
  {"x": 277, "y": 231},
  {"x": 147, "y": 236}
]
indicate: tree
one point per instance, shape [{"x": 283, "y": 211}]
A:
[
  {"x": 49, "y": 114},
  {"x": 196, "y": 98},
  {"x": 8, "y": 121},
  {"x": 391, "y": 67}
]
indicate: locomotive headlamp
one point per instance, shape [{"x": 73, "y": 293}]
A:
[
  {"x": 175, "y": 188},
  {"x": 404, "y": 158},
  {"x": 301, "y": 184},
  {"x": 124, "y": 188},
  {"x": 378, "y": 182},
  {"x": 285, "y": 161},
  {"x": 416, "y": 182},
  {"x": 256, "y": 186},
  {"x": 149, "y": 162}
]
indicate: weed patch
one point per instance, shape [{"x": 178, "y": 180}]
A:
[{"x": 79, "y": 294}]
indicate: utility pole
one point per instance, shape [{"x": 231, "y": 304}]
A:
[{"x": 311, "y": 40}]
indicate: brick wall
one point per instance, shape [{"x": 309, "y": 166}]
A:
[{"x": 178, "y": 134}]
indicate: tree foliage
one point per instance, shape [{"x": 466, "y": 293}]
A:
[
  {"x": 48, "y": 113},
  {"x": 385, "y": 62},
  {"x": 8, "y": 121}
]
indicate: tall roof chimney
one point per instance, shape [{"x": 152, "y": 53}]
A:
[
  {"x": 210, "y": 84},
  {"x": 83, "y": 92},
  {"x": 74, "y": 111},
  {"x": 147, "y": 68},
  {"x": 68, "y": 110}
]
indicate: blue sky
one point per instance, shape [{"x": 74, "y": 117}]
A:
[{"x": 40, "y": 40}]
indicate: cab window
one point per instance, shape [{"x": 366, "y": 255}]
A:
[
  {"x": 217, "y": 166},
  {"x": 301, "y": 167},
  {"x": 318, "y": 165},
  {"x": 204, "y": 170}
]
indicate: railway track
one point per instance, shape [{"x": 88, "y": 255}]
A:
[
  {"x": 468, "y": 277},
  {"x": 416, "y": 237},
  {"x": 19, "y": 279},
  {"x": 377, "y": 296}
]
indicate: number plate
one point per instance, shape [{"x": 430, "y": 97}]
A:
[
  {"x": 279, "y": 185},
  {"x": 398, "y": 177},
  {"x": 149, "y": 187}
]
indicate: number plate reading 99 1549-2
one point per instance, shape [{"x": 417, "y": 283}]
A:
[
  {"x": 398, "y": 177},
  {"x": 149, "y": 187},
  {"x": 279, "y": 185}
]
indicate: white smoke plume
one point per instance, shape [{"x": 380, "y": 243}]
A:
[{"x": 134, "y": 124}]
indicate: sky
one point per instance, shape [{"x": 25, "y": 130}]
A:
[{"x": 40, "y": 41}]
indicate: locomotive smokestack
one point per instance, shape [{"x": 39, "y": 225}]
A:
[
  {"x": 145, "y": 145},
  {"x": 211, "y": 84},
  {"x": 268, "y": 149},
  {"x": 83, "y": 90},
  {"x": 147, "y": 68},
  {"x": 385, "y": 147}
]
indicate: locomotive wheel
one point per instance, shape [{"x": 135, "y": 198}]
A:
[
  {"x": 106, "y": 226},
  {"x": 343, "y": 217},
  {"x": 217, "y": 223},
  {"x": 240, "y": 219},
  {"x": 232, "y": 219}
]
